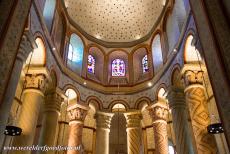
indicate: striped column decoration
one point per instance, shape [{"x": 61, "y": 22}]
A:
[
  {"x": 133, "y": 132},
  {"x": 197, "y": 103},
  {"x": 159, "y": 113}
]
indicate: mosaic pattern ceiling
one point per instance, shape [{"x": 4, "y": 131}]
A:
[{"x": 115, "y": 20}]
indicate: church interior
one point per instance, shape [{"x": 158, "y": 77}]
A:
[{"x": 114, "y": 76}]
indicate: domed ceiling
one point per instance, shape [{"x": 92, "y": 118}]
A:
[{"x": 115, "y": 20}]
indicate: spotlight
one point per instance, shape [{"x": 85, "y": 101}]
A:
[
  {"x": 215, "y": 128},
  {"x": 150, "y": 84},
  {"x": 13, "y": 131}
]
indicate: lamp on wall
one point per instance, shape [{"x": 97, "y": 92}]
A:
[
  {"x": 15, "y": 130},
  {"x": 214, "y": 127}
]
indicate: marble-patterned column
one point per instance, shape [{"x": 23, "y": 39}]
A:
[
  {"x": 26, "y": 46},
  {"x": 51, "y": 112},
  {"x": 159, "y": 114},
  {"x": 133, "y": 129},
  {"x": 77, "y": 114},
  {"x": 179, "y": 109},
  {"x": 103, "y": 122},
  {"x": 197, "y": 103},
  {"x": 33, "y": 97}
]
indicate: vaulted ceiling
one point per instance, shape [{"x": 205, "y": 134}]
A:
[{"x": 115, "y": 20}]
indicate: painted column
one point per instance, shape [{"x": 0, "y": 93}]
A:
[
  {"x": 133, "y": 131},
  {"x": 213, "y": 30},
  {"x": 179, "y": 109},
  {"x": 51, "y": 112},
  {"x": 197, "y": 103},
  {"x": 33, "y": 97},
  {"x": 103, "y": 121},
  {"x": 159, "y": 114},
  {"x": 77, "y": 114},
  {"x": 26, "y": 46}
]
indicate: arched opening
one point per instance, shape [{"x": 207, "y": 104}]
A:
[
  {"x": 118, "y": 135},
  {"x": 161, "y": 93},
  {"x": 71, "y": 96},
  {"x": 191, "y": 54},
  {"x": 38, "y": 55},
  {"x": 75, "y": 54},
  {"x": 157, "y": 53}
]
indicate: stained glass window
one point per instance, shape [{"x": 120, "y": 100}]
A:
[
  {"x": 91, "y": 64},
  {"x": 118, "y": 67},
  {"x": 145, "y": 64}
]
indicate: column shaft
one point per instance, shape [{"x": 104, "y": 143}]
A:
[
  {"x": 195, "y": 98},
  {"x": 159, "y": 113},
  {"x": 33, "y": 97},
  {"x": 77, "y": 114},
  {"x": 133, "y": 132},
  {"x": 50, "y": 120},
  {"x": 197, "y": 103},
  {"x": 180, "y": 121},
  {"x": 103, "y": 121},
  {"x": 161, "y": 137}
]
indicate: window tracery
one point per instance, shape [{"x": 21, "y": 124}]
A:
[{"x": 118, "y": 67}]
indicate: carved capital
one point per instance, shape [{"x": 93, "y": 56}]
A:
[
  {"x": 193, "y": 77},
  {"x": 103, "y": 120},
  {"x": 133, "y": 119},
  {"x": 159, "y": 112},
  {"x": 77, "y": 113},
  {"x": 193, "y": 74},
  {"x": 36, "y": 81}
]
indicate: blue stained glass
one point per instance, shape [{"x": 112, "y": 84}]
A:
[{"x": 118, "y": 67}]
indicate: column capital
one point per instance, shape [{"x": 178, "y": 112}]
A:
[
  {"x": 159, "y": 112},
  {"x": 176, "y": 97},
  {"x": 133, "y": 119},
  {"x": 103, "y": 120},
  {"x": 193, "y": 74},
  {"x": 27, "y": 45},
  {"x": 36, "y": 82},
  {"x": 77, "y": 113}
]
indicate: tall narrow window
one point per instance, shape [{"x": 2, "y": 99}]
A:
[
  {"x": 71, "y": 54},
  {"x": 75, "y": 54},
  {"x": 118, "y": 67},
  {"x": 145, "y": 64},
  {"x": 91, "y": 64},
  {"x": 48, "y": 13}
]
